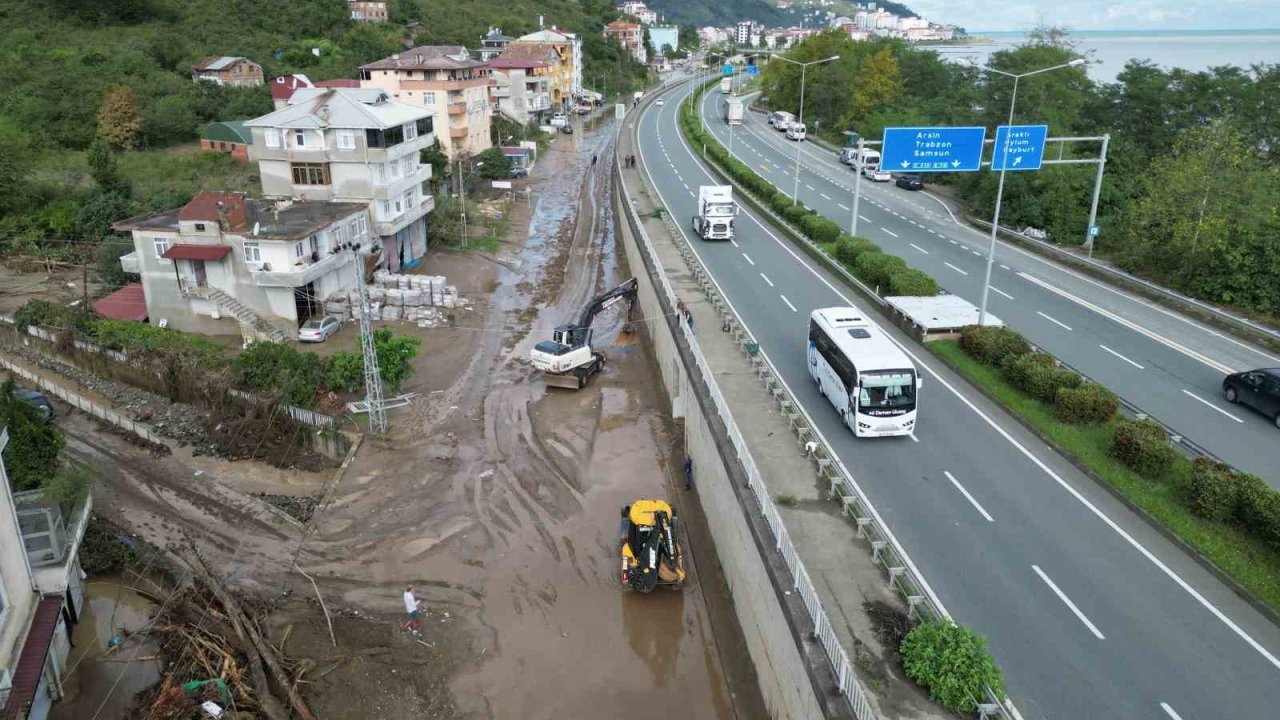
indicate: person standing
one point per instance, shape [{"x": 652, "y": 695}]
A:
[
  {"x": 412, "y": 605},
  {"x": 688, "y": 473}
]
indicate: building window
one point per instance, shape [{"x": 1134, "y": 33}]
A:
[
  {"x": 336, "y": 234},
  {"x": 161, "y": 245},
  {"x": 410, "y": 131},
  {"x": 380, "y": 173},
  {"x": 252, "y": 253},
  {"x": 360, "y": 228},
  {"x": 314, "y": 244},
  {"x": 425, "y": 126},
  {"x": 300, "y": 138},
  {"x": 299, "y": 250},
  {"x": 428, "y": 98},
  {"x": 399, "y": 205},
  {"x": 408, "y": 198},
  {"x": 410, "y": 163},
  {"x": 310, "y": 173},
  {"x": 273, "y": 137},
  {"x": 346, "y": 140},
  {"x": 199, "y": 227},
  {"x": 386, "y": 209}
]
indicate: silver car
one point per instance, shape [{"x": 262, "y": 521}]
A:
[{"x": 319, "y": 329}]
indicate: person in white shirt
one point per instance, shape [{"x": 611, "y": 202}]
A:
[{"x": 411, "y": 607}]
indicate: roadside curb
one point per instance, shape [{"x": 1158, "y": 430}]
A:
[{"x": 1243, "y": 592}]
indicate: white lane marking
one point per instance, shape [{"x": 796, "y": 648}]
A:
[
  {"x": 953, "y": 267},
  {"x": 975, "y": 252},
  {"x": 953, "y": 242},
  {"x": 1004, "y": 267},
  {"x": 1059, "y": 323},
  {"x": 864, "y": 218},
  {"x": 748, "y": 257},
  {"x": 823, "y": 196},
  {"x": 811, "y": 188},
  {"x": 1165, "y": 707},
  {"x": 914, "y": 438},
  {"x": 926, "y": 252},
  {"x": 1225, "y": 370},
  {"x": 788, "y": 302},
  {"x": 1063, "y": 597},
  {"x": 733, "y": 242},
  {"x": 1066, "y": 486},
  {"x": 932, "y": 231},
  {"x": 766, "y": 279},
  {"x": 842, "y": 206},
  {"x": 887, "y": 231},
  {"x": 1212, "y": 406},
  {"x": 968, "y": 497},
  {"x": 1113, "y": 352},
  {"x": 998, "y": 290}
]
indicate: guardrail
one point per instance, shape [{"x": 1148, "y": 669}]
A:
[{"x": 886, "y": 551}]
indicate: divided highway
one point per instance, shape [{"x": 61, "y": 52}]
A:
[
  {"x": 1160, "y": 361},
  {"x": 1089, "y": 611}
]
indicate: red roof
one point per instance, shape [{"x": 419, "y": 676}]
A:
[
  {"x": 283, "y": 86},
  {"x": 35, "y": 649},
  {"x": 127, "y": 303},
  {"x": 205, "y": 206},
  {"x": 509, "y": 62},
  {"x": 196, "y": 252}
]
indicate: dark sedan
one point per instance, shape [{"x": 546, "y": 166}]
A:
[
  {"x": 910, "y": 182},
  {"x": 1259, "y": 389}
]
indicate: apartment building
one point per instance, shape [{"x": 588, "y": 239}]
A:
[
  {"x": 569, "y": 47},
  {"x": 630, "y": 36},
  {"x": 639, "y": 11},
  {"x": 449, "y": 84},
  {"x": 492, "y": 44},
  {"x": 370, "y": 11},
  {"x": 283, "y": 87},
  {"x": 225, "y": 264},
  {"x": 523, "y": 90},
  {"x": 228, "y": 70}
]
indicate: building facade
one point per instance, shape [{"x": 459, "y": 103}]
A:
[
  {"x": 230, "y": 137},
  {"x": 225, "y": 264},
  {"x": 639, "y": 11},
  {"x": 569, "y": 46},
  {"x": 630, "y": 36},
  {"x": 664, "y": 36},
  {"x": 559, "y": 69},
  {"x": 370, "y": 11},
  {"x": 228, "y": 70},
  {"x": 492, "y": 44},
  {"x": 523, "y": 90},
  {"x": 447, "y": 82}
]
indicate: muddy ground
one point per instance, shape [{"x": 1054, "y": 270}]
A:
[{"x": 498, "y": 498}]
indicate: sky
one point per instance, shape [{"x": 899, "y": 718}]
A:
[{"x": 976, "y": 15}]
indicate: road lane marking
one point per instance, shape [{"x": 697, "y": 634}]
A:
[
  {"x": 953, "y": 242},
  {"x": 766, "y": 279},
  {"x": 864, "y": 218},
  {"x": 998, "y": 290},
  {"x": 926, "y": 252},
  {"x": 953, "y": 267},
  {"x": 1004, "y": 267},
  {"x": 1225, "y": 370},
  {"x": 1212, "y": 406},
  {"x": 1059, "y": 323},
  {"x": 811, "y": 188},
  {"x": 733, "y": 242},
  {"x": 788, "y": 302},
  {"x": 975, "y": 252},
  {"x": 968, "y": 497},
  {"x": 748, "y": 257},
  {"x": 887, "y": 231},
  {"x": 995, "y": 426},
  {"x": 823, "y": 196},
  {"x": 843, "y": 206},
  {"x": 1063, "y": 597},
  {"x": 1113, "y": 352},
  {"x": 1165, "y": 707}
]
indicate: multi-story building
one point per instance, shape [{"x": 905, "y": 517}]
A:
[
  {"x": 283, "y": 87},
  {"x": 228, "y": 70},
  {"x": 492, "y": 44},
  {"x": 41, "y": 595},
  {"x": 523, "y": 90},
  {"x": 449, "y": 83},
  {"x": 370, "y": 11},
  {"x": 630, "y": 36},
  {"x": 663, "y": 37},
  {"x": 559, "y": 70},
  {"x": 225, "y": 264},
  {"x": 639, "y": 11},
  {"x": 742, "y": 35},
  {"x": 569, "y": 46}
]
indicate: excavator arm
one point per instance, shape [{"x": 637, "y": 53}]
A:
[{"x": 581, "y": 331}]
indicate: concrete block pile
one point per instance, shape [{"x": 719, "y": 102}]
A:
[{"x": 413, "y": 298}]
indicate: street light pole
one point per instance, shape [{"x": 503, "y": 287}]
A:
[
  {"x": 857, "y": 189},
  {"x": 795, "y": 195},
  {"x": 1004, "y": 164}
]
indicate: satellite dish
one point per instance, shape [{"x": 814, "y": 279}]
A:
[{"x": 164, "y": 323}]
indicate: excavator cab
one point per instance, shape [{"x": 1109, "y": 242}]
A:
[
  {"x": 571, "y": 335},
  {"x": 651, "y": 551}
]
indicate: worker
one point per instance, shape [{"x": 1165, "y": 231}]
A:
[
  {"x": 688, "y": 473},
  {"x": 411, "y": 608},
  {"x": 810, "y": 448}
]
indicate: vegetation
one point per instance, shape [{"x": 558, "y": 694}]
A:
[
  {"x": 1243, "y": 541},
  {"x": 31, "y": 457},
  {"x": 952, "y": 662}
]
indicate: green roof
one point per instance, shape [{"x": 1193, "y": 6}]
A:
[{"x": 227, "y": 131}]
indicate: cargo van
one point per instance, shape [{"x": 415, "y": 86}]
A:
[{"x": 795, "y": 131}]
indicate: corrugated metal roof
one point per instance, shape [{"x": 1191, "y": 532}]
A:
[
  {"x": 227, "y": 131},
  {"x": 341, "y": 108},
  {"x": 35, "y": 649},
  {"x": 127, "y": 303}
]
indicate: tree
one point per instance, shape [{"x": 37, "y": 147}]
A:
[
  {"x": 31, "y": 457},
  {"x": 119, "y": 123},
  {"x": 168, "y": 120},
  {"x": 491, "y": 164},
  {"x": 102, "y": 165},
  {"x": 432, "y": 155},
  {"x": 99, "y": 211},
  {"x": 879, "y": 84},
  {"x": 395, "y": 356},
  {"x": 109, "y": 272},
  {"x": 648, "y": 44},
  {"x": 15, "y": 164}
]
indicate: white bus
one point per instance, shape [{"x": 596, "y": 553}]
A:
[{"x": 870, "y": 381}]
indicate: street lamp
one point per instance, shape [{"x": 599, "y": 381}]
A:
[
  {"x": 1004, "y": 164},
  {"x": 804, "y": 67}
]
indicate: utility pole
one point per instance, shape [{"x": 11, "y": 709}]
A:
[
  {"x": 462, "y": 196},
  {"x": 372, "y": 375}
]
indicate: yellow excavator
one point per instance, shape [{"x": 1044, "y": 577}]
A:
[{"x": 651, "y": 551}]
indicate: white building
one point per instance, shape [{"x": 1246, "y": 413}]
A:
[
  {"x": 639, "y": 11},
  {"x": 523, "y": 89},
  {"x": 664, "y": 35},
  {"x": 570, "y": 46}
]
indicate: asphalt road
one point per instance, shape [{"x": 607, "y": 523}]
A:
[
  {"x": 1089, "y": 611},
  {"x": 1168, "y": 365}
]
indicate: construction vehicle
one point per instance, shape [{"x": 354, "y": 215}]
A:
[
  {"x": 716, "y": 209},
  {"x": 651, "y": 552},
  {"x": 567, "y": 360}
]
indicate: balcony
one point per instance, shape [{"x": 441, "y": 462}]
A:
[
  {"x": 51, "y": 528},
  {"x": 458, "y": 108},
  {"x": 301, "y": 273},
  {"x": 540, "y": 102},
  {"x": 130, "y": 263},
  {"x": 393, "y": 225},
  {"x": 395, "y": 187},
  {"x": 458, "y": 132}
]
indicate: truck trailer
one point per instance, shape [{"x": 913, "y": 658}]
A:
[{"x": 733, "y": 111}]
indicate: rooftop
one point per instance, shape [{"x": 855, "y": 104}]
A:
[
  {"x": 227, "y": 131},
  {"x": 341, "y": 108},
  {"x": 127, "y": 303},
  {"x": 283, "y": 87},
  {"x": 504, "y": 63},
  {"x": 250, "y": 218},
  {"x": 427, "y": 57},
  {"x": 219, "y": 62}
]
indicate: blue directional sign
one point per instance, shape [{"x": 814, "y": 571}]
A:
[
  {"x": 1094, "y": 231},
  {"x": 726, "y": 70},
  {"x": 1026, "y": 147},
  {"x": 932, "y": 149},
  {"x": 753, "y": 70}
]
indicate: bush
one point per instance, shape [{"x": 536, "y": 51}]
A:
[
  {"x": 1214, "y": 492},
  {"x": 875, "y": 268},
  {"x": 952, "y": 662},
  {"x": 796, "y": 213},
  {"x": 997, "y": 346},
  {"x": 1090, "y": 403},
  {"x": 40, "y": 314},
  {"x": 913, "y": 283},
  {"x": 1038, "y": 376},
  {"x": 345, "y": 372},
  {"x": 296, "y": 377},
  {"x": 1017, "y": 370},
  {"x": 1143, "y": 447},
  {"x": 820, "y": 229},
  {"x": 848, "y": 248},
  {"x": 31, "y": 456},
  {"x": 1258, "y": 508},
  {"x": 779, "y": 203}
]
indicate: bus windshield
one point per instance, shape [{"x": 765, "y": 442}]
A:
[{"x": 893, "y": 389}]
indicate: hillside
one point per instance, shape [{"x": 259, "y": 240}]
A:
[{"x": 718, "y": 12}]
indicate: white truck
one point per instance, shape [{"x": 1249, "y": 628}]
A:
[
  {"x": 714, "y": 219},
  {"x": 781, "y": 120},
  {"x": 726, "y": 85},
  {"x": 733, "y": 111}
]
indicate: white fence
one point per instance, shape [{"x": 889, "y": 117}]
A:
[{"x": 142, "y": 430}]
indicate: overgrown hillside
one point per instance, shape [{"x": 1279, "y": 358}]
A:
[{"x": 718, "y": 13}]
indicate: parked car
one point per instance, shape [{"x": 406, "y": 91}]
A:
[
  {"x": 878, "y": 175},
  {"x": 1259, "y": 389},
  {"x": 319, "y": 329},
  {"x": 519, "y": 172},
  {"x": 36, "y": 399},
  {"x": 910, "y": 182}
]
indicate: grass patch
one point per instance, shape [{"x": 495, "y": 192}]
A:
[
  {"x": 786, "y": 500},
  {"x": 1249, "y": 561}
]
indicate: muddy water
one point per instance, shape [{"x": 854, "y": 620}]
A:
[{"x": 101, "y": 682}]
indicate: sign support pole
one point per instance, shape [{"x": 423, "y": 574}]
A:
[
  {"x": 1097, "y": 190},
  {"x": 857, "y": 191},
  {"x": 995, "y": 221}
]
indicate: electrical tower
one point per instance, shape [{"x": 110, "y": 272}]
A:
[{"x": 372, "y": 376}]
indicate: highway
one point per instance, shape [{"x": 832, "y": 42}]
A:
[
  {"x": 1089, "y": 612},
  {"x": 1164, "y": 363}
]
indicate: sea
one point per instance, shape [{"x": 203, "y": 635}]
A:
[{"x": 1109, "y": 50}]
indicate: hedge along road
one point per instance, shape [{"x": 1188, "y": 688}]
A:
[
  {"x": 1164, "y": 363},
  {"x": 1089, "y": 611}
]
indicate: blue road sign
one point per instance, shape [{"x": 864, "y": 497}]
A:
[
  {"x": 1026, "y": 147},
  {"x": 932, "y": 149},
  {"x": 753, "y": 70},
  {"x": 1094, "y": 231},
  {"x": 726, "y": 70}
]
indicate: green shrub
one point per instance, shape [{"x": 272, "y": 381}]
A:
[
  {"x": 999, "y": 346},
  {"x": 796, "y": 213},
  {"x": 1017, "y": 370},
  {"x": 1214, "y": 491},
  {"x": 1090, "y": 403},
  {"x": 912, "y": 282},
  {"x": 345, "y": 372},
  {"x": 820, "y": 229},
  {"x": 779, "y": 202},
  {"x": 1040, "y": 379},
  {"x": 1143, "y": 447},
  {"x": 31, "y": 457},
  {"x": 952, "y": 662},
  {"x": 875, "y": 268},
  {"x": 295, "y": 377},
  {"x": 41, "y": 314},
  {"x": 848, "y": 248},
  {"x": 1258, "y": 508}
]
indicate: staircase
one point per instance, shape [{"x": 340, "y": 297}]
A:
[{"x": 247, "y": 317}]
